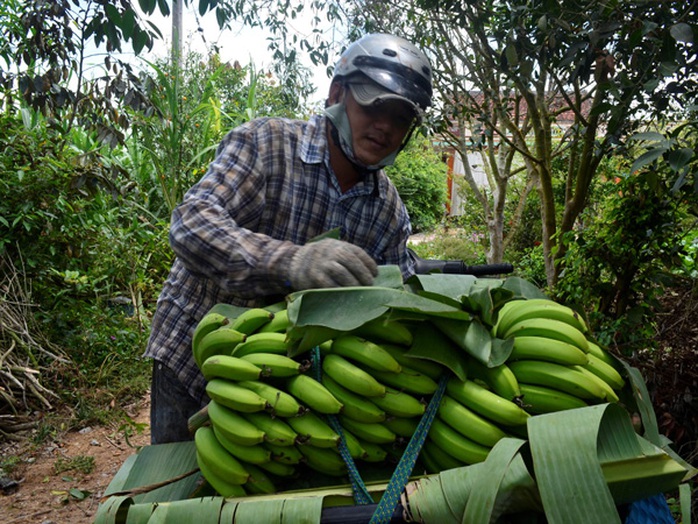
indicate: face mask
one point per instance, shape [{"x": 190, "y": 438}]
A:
[{"x": 338, "y": 116}]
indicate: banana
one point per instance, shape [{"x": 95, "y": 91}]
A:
[
  {"x": 251, "y": 320},
  {"x": 428, "y": 463},
  {"x": 351, "y": 376},
  {"x": 431, "y": 369},
  {"x": 409, "y": 380},
  {"x": 540, "y": 399},
  {"x": 209, "y": 323},
  {"x": 222, "y": 486},
  {"x": 455, "y": 444},
  {"x": 402, "y": 426},
  {"x": 372, "y": 432},
  {"x": 313, "y": 394},
  {"x": 486, "y": 403},
  {"x": 516, "y": 311},
  {"x": 603, "y": 354},
  {"x": 356, "y": 450},
  {"x": 221, "y": 341},
  {"x": 279, "y": 468},
  {"x": 565, "y": 378},
  {"x": 365, "y": 353},
  {"x": 279, "y": 324},
  {"x": 383, "y": 330},
  {"x": 604, "y": 371},
  {"x": 284, "y": 454},
  {"x": 468, "y": 423},
  {"x": 280, "y": 403},
  {"x": 262, "y": 343},
  {"x": 399, "y": 403},
  {"x": 230, "y": 368},
  {"x": 372, "y": 452},
  {"x": 313, "y": 430},
  {"x": 609, "y": 393},
  {"x": 232, "y": 395},
  {"x": 499, "y": 379},
  {"x": 259, "y": 482},
  {"x": 255, "y": 454},
  {"x": 324, "y": 460},
  {"x": 356, "y": 406},
  {"x": 549, "y": 349},
  {"x": 274, "y": 365},
  {"x": 276, "y": 430},
  {"x": 216, "y": 457},
  {"x": 233, "y": 426},
  {"x": 545, "y": 327},
  {"x": 441, "y": 459}
]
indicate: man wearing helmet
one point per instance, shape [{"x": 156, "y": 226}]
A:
[{"x": 241, "y": 234}]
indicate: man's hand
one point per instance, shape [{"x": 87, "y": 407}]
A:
[{"x": 331, "y": 263}]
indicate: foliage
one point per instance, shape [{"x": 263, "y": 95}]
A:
[
  {"x": 420, "y": 177},
  {"x": 621, "y": 262}
]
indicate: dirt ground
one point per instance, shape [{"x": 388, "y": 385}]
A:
[{"x": 43, "y": 494}]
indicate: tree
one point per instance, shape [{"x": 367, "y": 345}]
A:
[{"x": 506, "y": 70}]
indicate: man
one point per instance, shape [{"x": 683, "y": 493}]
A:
[{"x": 241, "y": 233}]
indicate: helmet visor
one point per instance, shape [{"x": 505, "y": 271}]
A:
[{"x": 368, "y": 93}]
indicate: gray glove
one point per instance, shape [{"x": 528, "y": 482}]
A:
[{"x": 331, "y": 263}]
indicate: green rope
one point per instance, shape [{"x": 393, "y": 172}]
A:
[{"x": 391, "y": 496}]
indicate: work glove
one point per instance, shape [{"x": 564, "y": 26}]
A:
[{"x": 331, "y": 263}]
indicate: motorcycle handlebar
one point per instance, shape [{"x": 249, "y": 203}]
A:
[{"x": 423, "y": 266}]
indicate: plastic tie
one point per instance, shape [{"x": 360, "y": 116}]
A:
[
  {"x": 403, "y": 470},
  {"x": 361, "y": 493}
]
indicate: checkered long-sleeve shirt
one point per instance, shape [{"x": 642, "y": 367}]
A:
[{"x": 269, "y": 190}]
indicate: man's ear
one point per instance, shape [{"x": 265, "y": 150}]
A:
[{"x": 336, "y": 92}]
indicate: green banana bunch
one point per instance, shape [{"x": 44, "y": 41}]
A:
[
  {"x": 217, "y": 459},
  {"x": 399, "y": 403},
  {"x": 408, "y": 379},
  {"x": 468, "y": 423},
  {"x": 233, "y": 426},
  {"x": 540, "y": 399},
  {"x": 499, "y": 379},
  {"x": 516, "y": 311},
  {"x": 251, "y": 320},
  {"x": 570, "y": 379},
  {"x": 365, "y": 353},
  {"x": 284, "y": 454},
  {"x": 254, "y": 454},
  {"x": 545, "y": 348},
  {"x": 369, "y": 431},
  {"x": 220, "y": 341},
  {"x": 402, "y": 426},
  {"x": 313, "y": 394},
  {"x": 274, "y": 365},
  {"x": 262, "y": 343},
  {"x": 324, "y": 460},
  {"x": 279, "y": 324},
  {"x": 276, "y": 430},
  {"x": 456, "y": 444},
  {"x": 486, "y": 403},
  {"x": 279, "y": 401},
  {"x": 356, "y": 406},
  {"x": 351, "y": 376},
  {"x": 259, "y": 482},
  {"x": 550, "y": 328},
  {"x": 229, "y": 368},
  {"x": 222, "y": 486},
  {"x": 232, "y": 395},
  {"x": 314, "y": 431}
]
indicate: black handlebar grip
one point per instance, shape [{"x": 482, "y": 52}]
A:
[{"x": 488, "y": 269}]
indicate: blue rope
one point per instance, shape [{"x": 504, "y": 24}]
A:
[
  {"x": 361, "y": 494},
  {"x": 391, "y": 496}
]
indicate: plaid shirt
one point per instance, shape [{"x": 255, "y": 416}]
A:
[{"x": 269, "y": 190}]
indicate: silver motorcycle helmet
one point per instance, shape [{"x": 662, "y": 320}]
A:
[{"x": 376, "y": 68}]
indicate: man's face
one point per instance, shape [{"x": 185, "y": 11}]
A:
[{"x": 377, "y": 130}]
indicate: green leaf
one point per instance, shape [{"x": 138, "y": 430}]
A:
[
  {"x": 476, "y": 340},
  {"x": 520, "y": 287},
  {"x": 147, "y": 6},
  {"x": 430, "y": 343},
  {"x": 682, "y": 32},
  {"x": 647, "y": 158}
]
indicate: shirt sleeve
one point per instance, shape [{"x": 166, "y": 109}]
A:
[{"x": 213, "y": 230}]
